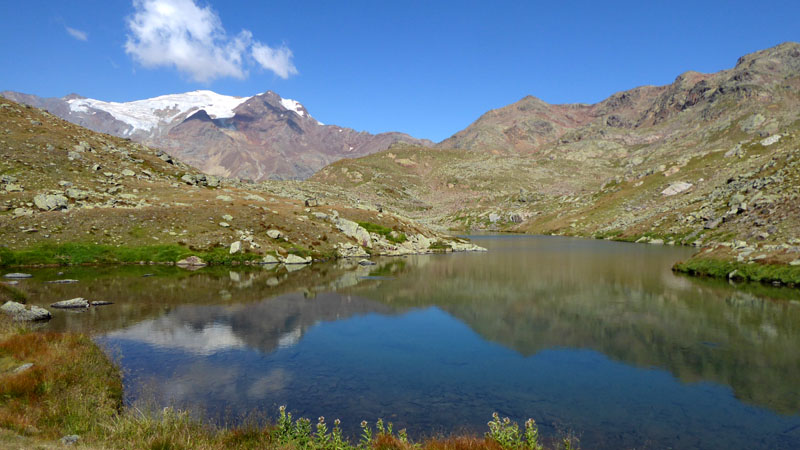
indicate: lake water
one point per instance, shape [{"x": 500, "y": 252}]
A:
[{"x": 594, "y": 338}]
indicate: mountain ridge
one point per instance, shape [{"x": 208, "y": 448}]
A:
[{"x": 283, "y": 142}]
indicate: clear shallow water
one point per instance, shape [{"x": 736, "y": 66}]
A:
[{"x": 593, "y": 337}]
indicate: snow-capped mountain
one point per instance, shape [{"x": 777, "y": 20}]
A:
[{"x": 258, "y": 137}]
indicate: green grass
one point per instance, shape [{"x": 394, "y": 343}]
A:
[
  {"x": 718, "y": 268},
  {"x": 81, "y": 253},
  {"x": 11, "y": 293},
  {"x": 397, "y": 238}
]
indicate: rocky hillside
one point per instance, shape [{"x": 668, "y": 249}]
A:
[
  {"x": 63, "y": 184},
  {"x": 256, "y": 138},
  {"x": 710, "y": 160}
]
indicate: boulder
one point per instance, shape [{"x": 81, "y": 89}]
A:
[
  {"x": 274, "y": 234},
  {"x": 366, "y": 262},
  {"x": 191, "y": 261},
  {"x": 493, "y": 217},
  {"x": 236, "y": 247},
  {"x": 294, "y": 259},
  {"x": 269, "y": 259},
  {"x": 354, "y": 230},
  {"x": 676, "y": 188},
  {"x": 73, "y": 303},
  {"x": 189, "y": 179},
  {"x": 77, "y": 194},
  {"x": 128, "y": 173},
  {"x": 225, "y": 198},
  {"x": 48, "y": 202},
  {"x": 17, "y": 311}
]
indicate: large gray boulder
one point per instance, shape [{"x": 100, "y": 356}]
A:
[
  {"x": 18, "y": 311},
  {"x": 355, "y": 231},
  {"x": 48, "y": 202}
]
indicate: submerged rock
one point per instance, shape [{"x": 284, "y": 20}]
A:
[
  {"x": 18, "y": 311},
  {"x": 17, "y": 275},
  {"x": 73, "y": 303},
  {"x": 366, "y": 262}
]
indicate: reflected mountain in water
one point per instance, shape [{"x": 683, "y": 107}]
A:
[{"x": 562, "y": 330}]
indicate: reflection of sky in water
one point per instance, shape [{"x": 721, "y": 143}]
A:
[{"x": 427, "y": 371}]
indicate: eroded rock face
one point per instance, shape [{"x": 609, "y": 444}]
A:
[
  {"x": 355, "y": 231},
  {"x": 18, "y": 311}
]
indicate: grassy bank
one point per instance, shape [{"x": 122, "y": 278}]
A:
[
  {"x": 729, "y": 269},
  {"x": 84, "y": 253},
  {"x": 72, "y": 388}
]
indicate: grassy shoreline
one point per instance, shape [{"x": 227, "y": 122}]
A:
[
  {"x": 73, "y": 388},
  {"x": 722, "y": 268}
]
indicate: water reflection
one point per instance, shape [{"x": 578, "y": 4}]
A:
[{"x": 592, "y": 336}]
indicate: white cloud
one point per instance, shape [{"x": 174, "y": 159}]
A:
[
  {"x": 181, "y": 34},
  {"x": 77, "y": 34},
  {"x": 278, "y": 60}
]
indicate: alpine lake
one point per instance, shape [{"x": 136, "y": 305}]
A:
[{"x": 592, "y": 338}]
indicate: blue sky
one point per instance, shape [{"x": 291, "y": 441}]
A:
[{"x": 427, "y": 68}]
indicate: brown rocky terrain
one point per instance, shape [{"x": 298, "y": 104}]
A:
[
  {"x": 61, "y": 183},
  {"x": 710, "y": 160}
]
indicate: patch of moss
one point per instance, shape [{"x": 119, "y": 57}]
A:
[{"x": 386, "y": 232}]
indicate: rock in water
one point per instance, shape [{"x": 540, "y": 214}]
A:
[
  {"x": 17, "y": 311},
  {"x": 73, "y": 303},
  {"x": 17, "y": 275},
  {"x": 366, "y": 262},
  {"x": 269, "y": 259},
  {"x": 191, "y": 261},
  {"x": 101, "y": 303},
  {"x": 294, "y": 259}
]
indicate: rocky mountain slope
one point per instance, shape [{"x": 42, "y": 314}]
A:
[
  {"x": 710, "y": 160},
  {"x": 259, "y": 137},
  {"x": 61, "y": 184}
]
